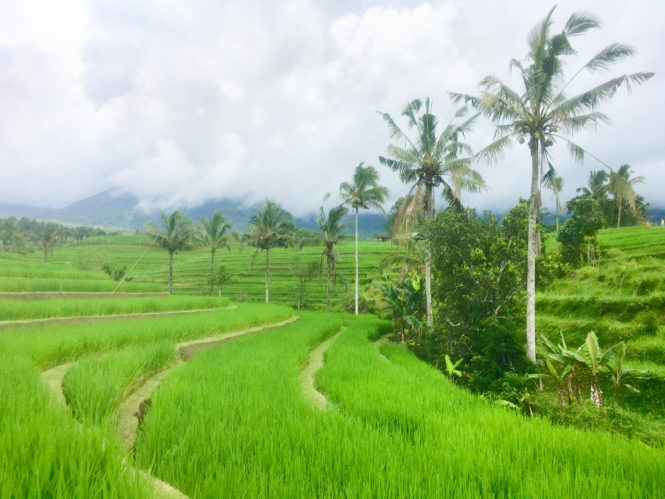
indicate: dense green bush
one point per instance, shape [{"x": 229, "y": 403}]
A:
[
  {"x": 480, "y": 270},
  {"x": 578, "y": 234}
]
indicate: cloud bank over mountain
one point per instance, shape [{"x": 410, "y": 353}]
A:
[{"x": 176, "y": 102}]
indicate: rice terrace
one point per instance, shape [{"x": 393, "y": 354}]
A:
[{"x": 413, "y": 324}]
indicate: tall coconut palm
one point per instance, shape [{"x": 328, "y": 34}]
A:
[
  {"x": 553, "y": 182},
  {"x": 176, "y": 235},
  {"x": 363, "y": 192},
  {"x": 268, "y": 229},
  {"x": 331, "y": 228},
  {"x": 541, "y": 114},
  {"x": 429, "y": 161},
  {"x": 215, "y": 233},
  {"x": 621, "y": 186}
]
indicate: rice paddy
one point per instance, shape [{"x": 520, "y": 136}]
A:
[{"x": 236, "y": 419}]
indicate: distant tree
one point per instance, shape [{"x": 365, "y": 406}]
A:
[
  {"x": 428, "y": 161},
  {"x": 221, "y": 277},
  {"x": 301, "y": 270},
  {"x": 268, "y": 229},
  {"x": 363, "y": 192},
  {"x": 540, "y": 113},
  {"x": 553, "y": 182},
  {"x": 215, "y": 233},
  {"x": 46, "y": 238},
  {"x": 622, "y": 188},
  {"x": 175, "y": 235},
  {"x": 331, "y": 227},
  {"x": 579, "y": 231}
]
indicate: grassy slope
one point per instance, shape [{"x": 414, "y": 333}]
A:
[{"x": 621, "y": 299}]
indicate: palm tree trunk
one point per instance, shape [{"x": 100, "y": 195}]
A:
[
  {"x": 619, "y": 218},
  {"x": 329, "y": 303},
  {"x": 556, "y": 217},
  {"x": 170, "y": 272},
  {"x": 267, "y": 275},
  {"x": 212, "y": 271},
  {"x": 531, "y": 258},
  {"x": 356, "y": 260},
  {"x": 428, "y": 266}
]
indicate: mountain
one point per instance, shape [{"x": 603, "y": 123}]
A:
[{"x": 114, "y": 209}]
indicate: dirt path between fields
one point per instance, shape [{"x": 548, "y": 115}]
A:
[
  {"x": 133, "y": 407},
  {"x": 307, "y": 374},
  {"x": 78, "y": 319}
]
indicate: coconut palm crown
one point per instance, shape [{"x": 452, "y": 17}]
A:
[
  {"x": 214, "y": 234},
  {"x": 541, "y": 114},
  {"x": 269, "y": 228},
  {"x": 363, "y": 192},
  {"x": 176, "y": 235},
  {"x": 622, "y": 188}
]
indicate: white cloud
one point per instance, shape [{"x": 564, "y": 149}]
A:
[{"x": 178, "y": 101}]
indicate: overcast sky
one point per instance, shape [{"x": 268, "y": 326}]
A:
[{"x": 180, "y": 101}]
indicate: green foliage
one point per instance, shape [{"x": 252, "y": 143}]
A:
[
  {"x": 406, "y": 301},
  {"x": 116, "y": 273},
  {"x": 478, "y": 291},
  {"x": 221, "y": 277},
  {"x": 578, "y": 234}
]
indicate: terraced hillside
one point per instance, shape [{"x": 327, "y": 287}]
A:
[
  {"x": 149, "y": 267},
  {"x": 622, "y": 298},
  {"x": 200, "y": 397}
]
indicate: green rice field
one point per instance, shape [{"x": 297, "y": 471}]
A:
[{"x": 225, "y": 410}]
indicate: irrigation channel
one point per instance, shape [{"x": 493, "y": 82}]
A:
[{"x": 132, "y": 409}]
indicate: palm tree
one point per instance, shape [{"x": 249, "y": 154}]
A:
[
  {"x": 622, "y": 190},
  {"x": 364, "y": 192},
  {"x": 175, "y": 236},
  {"x": 553, "y": 182},
  {"x": 214, "y": 233},
  {"x": 269, "y": 228},
  {"x": 331, "y": 227},
  {"x": 541, "y": 114},
  {"x": 429, "y": 161},
  {"x": 596, "y": 185}
]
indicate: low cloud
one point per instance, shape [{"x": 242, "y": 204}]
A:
[{"x": 179, "y": 102}]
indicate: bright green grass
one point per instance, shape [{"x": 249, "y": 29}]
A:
[
  {"x": 26, "y": 284},
  {"x": 398, "y": 429},
  {"x": 44, "y": 452},
  {"x": 94, "y": 386},
  {"x": 55, "y": 344},
  {"x": 68, "y": 307},
  {"x": 473, "y": 447},
  {"x": 46, "y": 271}
]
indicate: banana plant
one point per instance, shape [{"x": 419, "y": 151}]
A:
[
  {"x": 598, "y": 360},
  {"x": 451, "y": 369},
  {"x": 618, "y": 372},
  {"x": 559, "y": 377}
]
